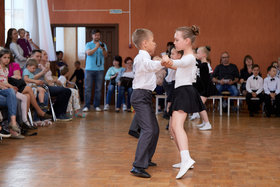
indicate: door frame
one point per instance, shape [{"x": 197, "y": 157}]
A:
[{"x": 116, "y": 26}]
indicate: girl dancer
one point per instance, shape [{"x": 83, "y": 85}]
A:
[
  {"x": 187, "y": 99},
  {"x": 203, "y": 83}
]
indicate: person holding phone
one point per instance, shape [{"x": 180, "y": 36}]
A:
[{"x": 96, "y": 51}]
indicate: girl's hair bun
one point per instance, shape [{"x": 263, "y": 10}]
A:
[
  {"x": 208, "y": 48},
  {"x": 195, "y": 30}
]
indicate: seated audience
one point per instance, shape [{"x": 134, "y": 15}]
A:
[
  {"x": 226, "y": 76},
  {"x": 11, "y": 43},
  {"x": 32, "y": 44},
  {"x": 59, "y": 62},
  {"x": 254, "y": 87},
  {"x": 124, "y": 80},
  {"x": 80, "y": 76},
  {"x": 246, "y": 72},
  {"x": 74, "y": 101},
  {"x": 111, "y": 75},
  {"x": 28, "y": 75},
  {"x": 272, "y": 92},
  {"x": 24, "y": 44},
  {"x": 62, "y": 94}
]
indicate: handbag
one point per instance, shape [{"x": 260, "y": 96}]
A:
[
  {"x": 126, "y": 82},
  {"x": 19, "y": 83}
]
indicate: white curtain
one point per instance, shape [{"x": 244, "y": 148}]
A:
[{"x": 37, "y": 22}]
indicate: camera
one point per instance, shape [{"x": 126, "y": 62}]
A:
[{"x": 102, "y": 44}]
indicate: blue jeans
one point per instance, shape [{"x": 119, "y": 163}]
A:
[
  {"x": 231, "y": 88},
  {"x": 9, "y": 100},
  {"x": 111, "y": 90},
  {"x": 121, "y": 97},
  {"x": 91, "y": 76}
]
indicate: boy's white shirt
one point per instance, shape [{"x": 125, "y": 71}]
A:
[
  {"x": 269, "y": 86},
  {"x": 252, "y": 84},
  {"x": 144, "y": 71}
]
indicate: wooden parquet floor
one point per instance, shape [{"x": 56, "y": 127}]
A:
[{"x": 97, "y": 151}]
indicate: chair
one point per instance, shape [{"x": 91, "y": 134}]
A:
[
  {"x": 157, "y": 99},
  {"x": 105, "y": 93},
  {"x": 51, "y": 103},
  {"x": 237, "y": 98},
  {"x": 217, "y": 97}
]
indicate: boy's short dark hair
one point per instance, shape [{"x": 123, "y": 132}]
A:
[
  {"x": 64, "y": 70},
  {"x": 36, "y": 51},
  {"x": 139, "y": 35},
  {"x": 255, "y": 66},
  {"x": 31, "y": 62},
  {"x": 58, "y": 52},
  {"x": 270, "y": 67},
  {"x": 94, "y": 31},
  {"x": 119, "y": 59},
  {"x": 77, "y": 62}
]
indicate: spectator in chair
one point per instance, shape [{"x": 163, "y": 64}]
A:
[
  {"x": 226, "y": 76},
  {"x": 11, "y": 43},
  {"x": 246, "y": 72},
  {"x": 56, "y": 90}
]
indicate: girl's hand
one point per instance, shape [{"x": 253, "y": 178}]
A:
[{"x": 15, "y": 88}]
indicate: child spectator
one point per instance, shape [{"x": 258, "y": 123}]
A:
[
  {"x": 272, "y": 92},
  {"x": 80, "y": 76},
  {"x": 28, "y": 76},
  {"x": 24, "y": 44},
  {"x": 254, "y": 87},
  {"x": 74, "y": 102}
]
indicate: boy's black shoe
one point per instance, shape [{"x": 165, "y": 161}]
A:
[
  {"x": 140, "y": 172},
  {"x": 134, "y": 134}
]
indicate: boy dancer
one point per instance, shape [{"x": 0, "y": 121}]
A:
[{"x": 141, "y": 99}]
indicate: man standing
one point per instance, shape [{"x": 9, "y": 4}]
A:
[{"x": 94, "y": 71}]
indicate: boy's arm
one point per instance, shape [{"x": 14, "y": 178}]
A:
[
  {"x": 277, "y": 91},
  {"x": 151, "y": 65},
  {"x": 265, "y": 87},
  {"x": 261, "y": 88},
  {"x": 28, "y": 80},
  {"x": 248, "y": 86}
]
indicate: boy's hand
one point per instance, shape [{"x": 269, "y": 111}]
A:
[
  {"x": 272, "y": 95},
  {"x": 254, "y": 94},
  {"x": 157, "y": 58},
  {"x": 165, "y": 58},
  {"x": 39, "y": 82}
]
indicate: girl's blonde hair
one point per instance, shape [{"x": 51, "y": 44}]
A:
[{"x": 189, "y": 32}]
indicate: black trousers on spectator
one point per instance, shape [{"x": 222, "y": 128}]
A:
[
  {"x": 62, "y": 97},
  {"x": 254, "y": 105},
  {"x": 81, "y": 90},
  {"x": 272, "y": 108},
  {"x": 141, "y": 101}
]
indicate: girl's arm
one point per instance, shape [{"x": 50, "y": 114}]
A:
[{"x": 109, "y": 74}]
